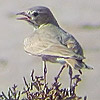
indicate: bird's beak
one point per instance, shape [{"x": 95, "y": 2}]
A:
[{"x": 23, "y": 16}]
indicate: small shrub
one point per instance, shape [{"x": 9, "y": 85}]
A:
[{"x": 38, "y": 89}]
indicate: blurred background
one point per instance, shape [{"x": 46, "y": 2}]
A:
[{"x": 79, "y": 17}]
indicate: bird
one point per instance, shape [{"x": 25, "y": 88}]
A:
[{"x": 49, "y": 41}]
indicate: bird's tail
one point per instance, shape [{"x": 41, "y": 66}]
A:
[
  {"x": 77, "y": 64},
  {"x": 86, "y": 66}
]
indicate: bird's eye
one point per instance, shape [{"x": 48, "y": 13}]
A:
[{"x": 35, "y": 14}]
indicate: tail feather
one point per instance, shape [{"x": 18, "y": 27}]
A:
[
  {"x": 87, "y": 67},
  {"x": 77, "y": 64}
]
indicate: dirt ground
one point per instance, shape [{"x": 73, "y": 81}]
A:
[{"x": 79, "y": 17}]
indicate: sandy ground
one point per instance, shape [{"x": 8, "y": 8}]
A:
[{"x": 71, "y": 14}]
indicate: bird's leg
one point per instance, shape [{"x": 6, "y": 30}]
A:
[
  {"x": 70, "y": 74},
  {"x": 80, "y": 71},
  {"x": 56, "y": 78},
  {"x": 44, "y": 71}
]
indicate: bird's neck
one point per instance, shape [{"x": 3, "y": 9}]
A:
[
  {"x": 44, "y": 26},
  {"x": 50, "y": 22},
  {"x": 38, "y": 27}
]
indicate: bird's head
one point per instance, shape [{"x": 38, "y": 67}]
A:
[{"x": 38, "y": 16}]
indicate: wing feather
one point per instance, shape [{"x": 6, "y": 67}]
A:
[{"x": 40, "y": 47}]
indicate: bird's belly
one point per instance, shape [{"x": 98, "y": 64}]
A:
[
  {"x": 49, "y": 58},
  {"x": 61, "y": 60},
  {"x": 54, "y": 59}
]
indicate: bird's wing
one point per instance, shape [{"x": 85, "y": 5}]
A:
[
  {"x": 71, "y": 43},
  {"x": 46, "y": 46},
  {"x": 60, "y": 51}
]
